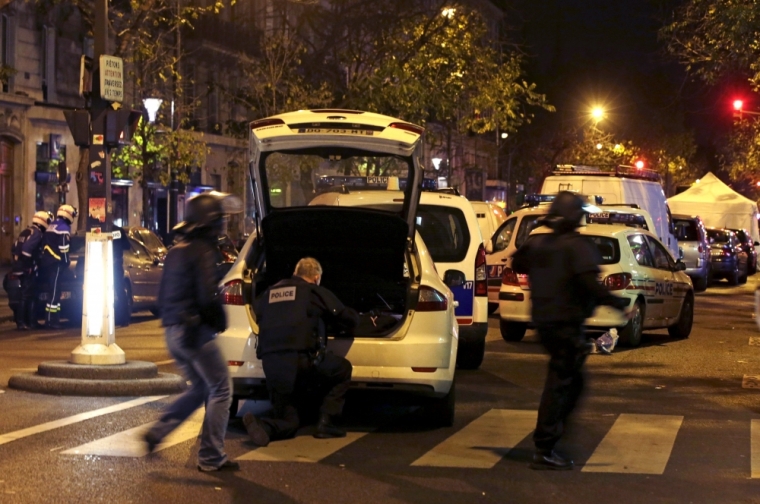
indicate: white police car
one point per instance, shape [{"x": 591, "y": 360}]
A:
[
  {"x": 373, "y": 260},
  {"x": 635, "y": 265},
  {"x": 449, "y": 226}
]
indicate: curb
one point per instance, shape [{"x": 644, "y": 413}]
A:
[{"x": 134, "y": 378}]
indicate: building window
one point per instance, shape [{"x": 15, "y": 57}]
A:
[
  {"x": 5, "y": 46},
  {"x": 46, "y": 175},
  {"x": 120, "y": 202}
]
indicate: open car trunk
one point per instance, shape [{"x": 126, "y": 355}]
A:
[{"x": 363, "y": 256}]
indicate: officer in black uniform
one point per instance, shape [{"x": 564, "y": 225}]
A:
[
  {"x": 562, "y": 267},
  {"x": 25, "y": 260},
  {"x": 291, "y": 316}
]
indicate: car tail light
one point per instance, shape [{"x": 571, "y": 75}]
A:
[
  {"x": 266, "y": 122},
  {"x": 232, "y": 293},
  {"x": 509, "y": 277},
  {"x": 235, "y": 363},
  {"x": 407, "y": 127},
  {"x": 699, "y": 249},
  {"x": 727, "y": 251},
  {"x": 481, "y": 277},
  {"x": 618, "y": 281},
  {"x": 431, "y": 300}
]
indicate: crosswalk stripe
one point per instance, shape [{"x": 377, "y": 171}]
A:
[
  {"x": 301, "y": 449},
  {"x": 62, "y": 422},
  {"x": 129, "y": 443},
  {"x": 636, "y": 444},
  {"x": 755, "y": 447},
  {"x": 483, "y": 442}
]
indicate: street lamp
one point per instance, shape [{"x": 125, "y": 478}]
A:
[
  {"x": 151, "y": 106},
  {"x": 597, "y": 113}
]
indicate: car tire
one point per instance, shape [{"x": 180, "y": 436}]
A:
[
  {"x": 630, "y": 334},
  {"x": 493, "y": 307},
  {"x": 440, "y": 411},
  {"x": 682, "y": 328},
  {"x": 700, "y": 283},
  {"x": 470, "y": 355},
  {"x": 733, "y": 278},
  {"x": 123, "y": 311},
  {"x": 512, "y": 331}
]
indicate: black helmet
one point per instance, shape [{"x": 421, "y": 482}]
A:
[
  {"x": 566, "y": 212},
  {"x": 207, "y": 209}
]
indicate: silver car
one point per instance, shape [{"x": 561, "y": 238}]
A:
[{"x": 692, "y": 239}]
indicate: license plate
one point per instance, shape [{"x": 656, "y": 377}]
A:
[{"x": 65, "y": 295}]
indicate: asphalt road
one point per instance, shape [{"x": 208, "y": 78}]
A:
[{"x": 669, "y": 421}]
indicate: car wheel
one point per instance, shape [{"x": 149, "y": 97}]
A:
[
  {"x": 493, "y": 307},
  {"x": 440, "y": 411},
  {"x": 700, "y": 284},
  {"x": 630, "y": 335},
  {"x": 123, "y": 309},
  {"x": 682, "y": 328},
  {"x": 470, "y": 354},
  {"x": 733, "y": 278},
  {"x": 512, "y": 331}
]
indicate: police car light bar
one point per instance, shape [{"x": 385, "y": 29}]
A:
[
  {"x": 331, "y": 183},
  {"x": 608, "y": 171}
]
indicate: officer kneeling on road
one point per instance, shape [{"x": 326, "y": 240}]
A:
[
  {"x": 562, "y": 267},
  {"x": 25, "y": 258},
  {"x": 291, "y": 316}
]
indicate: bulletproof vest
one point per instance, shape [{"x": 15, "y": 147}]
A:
[{"x": 287, "y": 320}]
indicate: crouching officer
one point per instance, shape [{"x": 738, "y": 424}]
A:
[
  {"x": 291, "y": 316},
  {"x": 55, "y": 257},
  {"x": 25, "y": 258},
  {"x": 562, "y": 267}
]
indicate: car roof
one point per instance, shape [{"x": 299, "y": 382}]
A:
[
  {"x": 336, "y": 127},
  {"x": 611, "y": 230},
  {"x": 384, "y": 197}
]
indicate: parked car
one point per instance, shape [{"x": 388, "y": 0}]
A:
[
  {"x": 142, "y": 254},
  {"x": 729, "y": 260},
  {"x": 374, "y": 260},
  {"x": 748, "y": 245},
  {"x": 635, "y": 265},
  {"x": 692, "y": 238}
]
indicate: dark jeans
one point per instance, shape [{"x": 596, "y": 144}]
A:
[
  {"x": 566, "y": 344},
  {"x": 292, "y": 379},
  {"x": 53, "y": 307}
]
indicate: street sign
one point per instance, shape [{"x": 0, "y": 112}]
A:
[{"x": 111, "y": 78}]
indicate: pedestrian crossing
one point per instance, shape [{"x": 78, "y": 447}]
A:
[{"x": 630, "y": 444}]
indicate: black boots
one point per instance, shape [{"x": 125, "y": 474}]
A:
[
  {"x": 549, "y": 460},
  {"x": 326, "y": 429},
  {"x": 256, "y": 431}
]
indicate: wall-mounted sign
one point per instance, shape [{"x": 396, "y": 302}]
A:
[{"x": 112, "y": 78}]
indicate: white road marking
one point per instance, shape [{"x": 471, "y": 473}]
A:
[
  {"x": 755, "y": 448},
  {"x": 483, "y": 442},
  {"x": 636, "y": 444},
  {"x": 29, "y": 431},
  {"x": 301, "y": 449},
  {"x": 129, "y": 443}
]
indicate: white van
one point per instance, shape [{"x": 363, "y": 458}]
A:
[
  {"x": 622, "y": 186},
  {"x": 490, "y": 216}
]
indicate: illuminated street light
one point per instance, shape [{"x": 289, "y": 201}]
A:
[
  {"x": 504, "y": 135},
  {"x": 639, "y": 164},
  {"x": 597, "y": 113},
  {"x": 436, "y": 162},
  {"x": 448, "y": 12},
  {"x": 599, "y": 146},
  {"x": 152, "y": 105}
]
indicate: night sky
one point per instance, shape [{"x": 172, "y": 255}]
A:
[{"x": 584, "y": 52}]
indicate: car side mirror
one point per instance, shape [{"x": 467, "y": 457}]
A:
[
  {"x": 489, "y": 247},
  {"x": 453, "y": 278},
  {"x": 680, "y": 266}
]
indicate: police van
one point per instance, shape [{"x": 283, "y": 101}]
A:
[
  {"x": 623, "y": 185},
  {"x": 449, "y": 227},
  {"x": 635, "y": 265}
]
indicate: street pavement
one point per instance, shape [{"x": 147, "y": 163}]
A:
[{"x": 670, "y": 421}]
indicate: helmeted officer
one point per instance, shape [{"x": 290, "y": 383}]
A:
[
  {"x": 563, "y": 268},
  {"x": 25, "y": 261},
  {"x": 55, "y": 258},
  {"x": 192, "y": 314},
  {"x": 291, "y": 316}
]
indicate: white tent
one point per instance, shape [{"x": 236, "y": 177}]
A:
[{"x": 718, "y": 205}]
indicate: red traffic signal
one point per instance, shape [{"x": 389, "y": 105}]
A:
[
  {"x": 738, "y": 105},
  {"x": 639, "y": 164}
]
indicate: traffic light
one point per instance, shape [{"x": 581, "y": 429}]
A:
[
  {"x": 79, "y": 124},
  {"x": 738, "y": 107},
  {"x": 639, "y": 164},
  {"x": 120, "y": 125}
]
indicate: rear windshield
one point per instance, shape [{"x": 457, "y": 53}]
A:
[
  {"x": 718, "y": 236},
  {"x": 296, "y": 177},
  {"x": 608, "y": 248},
  {"x": 444, "y": 231},
  {"x": 686, "y": 230}
]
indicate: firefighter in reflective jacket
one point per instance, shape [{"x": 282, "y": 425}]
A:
[
  {"x": 291, "y": 316},
  {"x": 25, "y": 256},
  {"x": 55, "y": 257}
]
